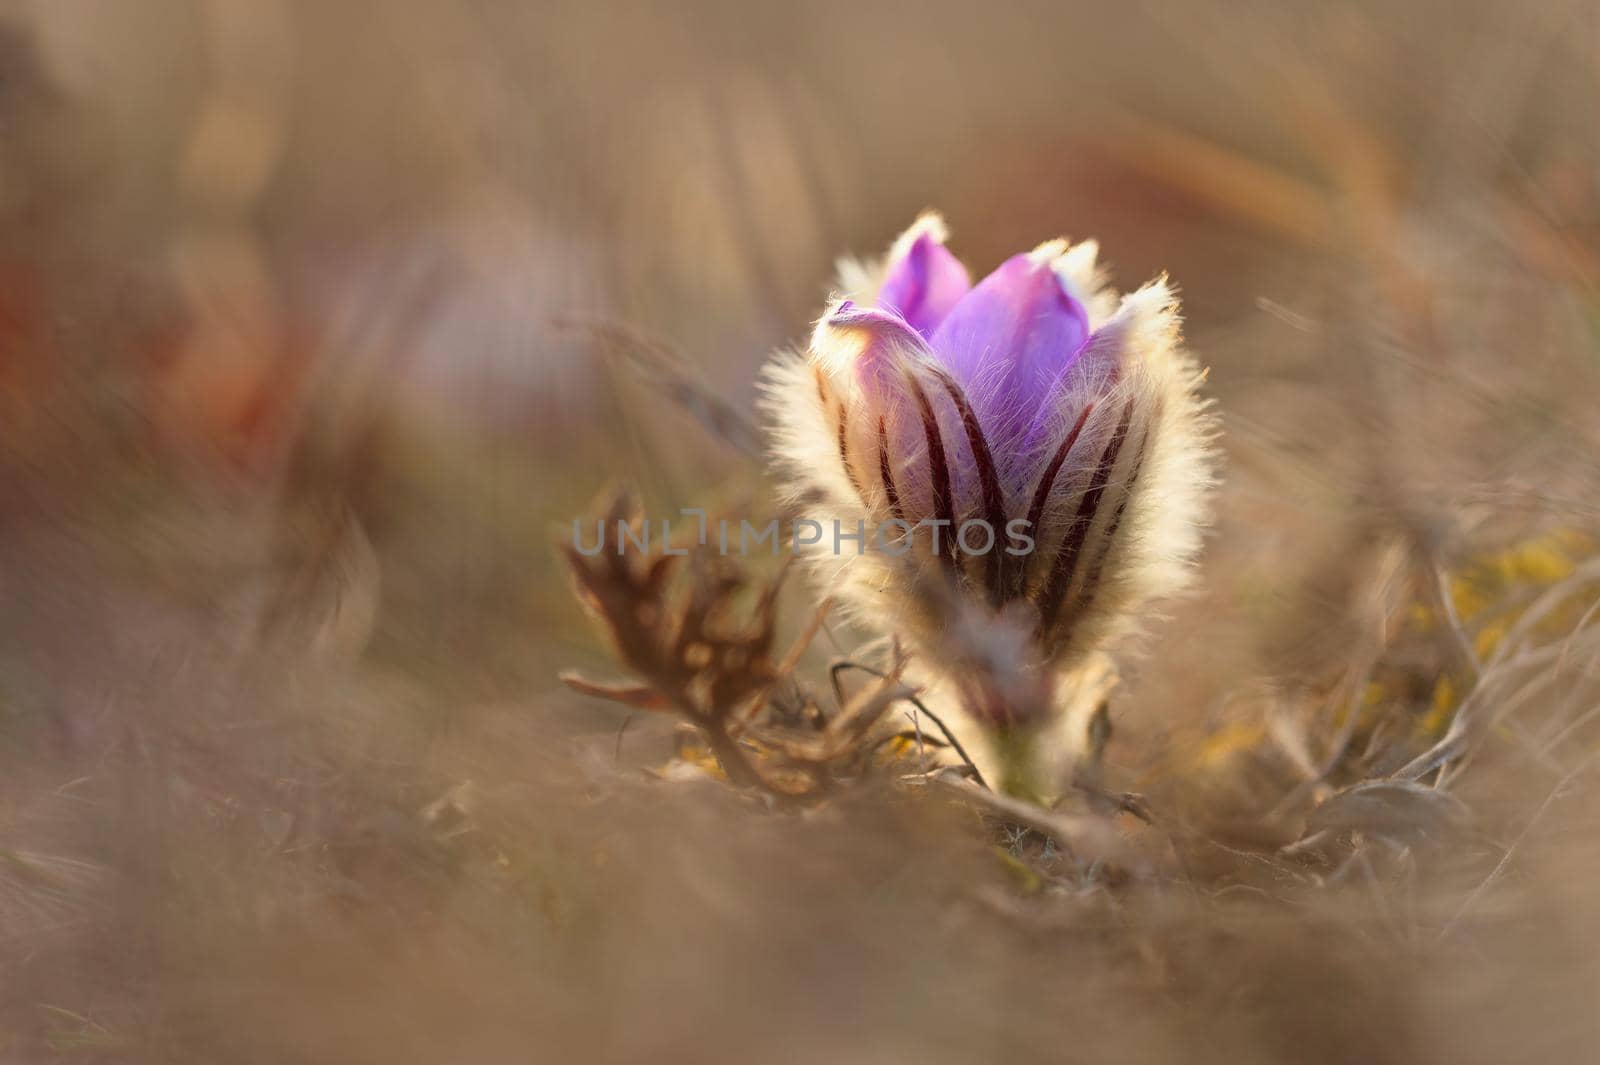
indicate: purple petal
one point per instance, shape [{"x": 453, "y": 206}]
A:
[
  {"x": 1009, "y": 341},
  {"x": 879, "y": 340},
  {"x": 879, "y": 348},
  {"x": 924, "y": 283}
]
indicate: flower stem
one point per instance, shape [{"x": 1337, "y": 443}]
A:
[{"x": 1019, "y": 769}]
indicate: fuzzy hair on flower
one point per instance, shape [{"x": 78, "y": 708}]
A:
[{"x": 1032, "y": 442}]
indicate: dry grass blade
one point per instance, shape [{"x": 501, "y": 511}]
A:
[
  {"x": 1505, "y": 860},
  {"x": 660, "y": 366},
  {"x": 1445, "y": 603},
  {"x": 1087, "y": 837},
  {"x": 1481, "y": 710},
  {"x": 846, "y": 731},
  {"x": 1393, "y": 809},
  {"x": 921, "y": 708},
  {"x": 1547, "y": 603},
  {"x": 637, "y": 696}
]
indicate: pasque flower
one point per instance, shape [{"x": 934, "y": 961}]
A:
[{"x": 1059, "y": 424}]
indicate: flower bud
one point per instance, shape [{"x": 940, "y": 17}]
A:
[{"x": 1043, "y": 441}]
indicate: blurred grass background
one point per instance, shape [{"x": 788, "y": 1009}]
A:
[{"x": 296, "y": 394}]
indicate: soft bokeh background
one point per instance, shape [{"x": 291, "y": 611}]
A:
[{"x": 299, "y": 383}]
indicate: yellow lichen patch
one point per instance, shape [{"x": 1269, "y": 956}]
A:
[
  {"x": 901, "y": 746},
  {"x": 694, "y": 755},
  {"x": 1420, "y": 618},
  {"x": 1469, "y": 595},
  {"x": 1490, "y": 596},
  {"x": 1441, "y": 710},
  {"x": 1228, "y": 741},
  {"x": 1480, "y": 591},
  {"x": 1537, "y": 562},
  {"x": 903, "y": 752},
  {"x": 1545, "y": 559},
  {"x": 1027, "y": 880},
  {"x": 1489, "y": 637}
]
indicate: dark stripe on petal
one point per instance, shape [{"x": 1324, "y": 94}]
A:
[
  {"x": 994, "y": 500},
  {"x": 1066, "y": 563},
  {"x": 1047, "y": 481},
  {"x": 1091, "y": 584},
  {"x": 886, "y": 471},
  {"x": 844, "y": 455},
  {"x": 939, "y": 469}
]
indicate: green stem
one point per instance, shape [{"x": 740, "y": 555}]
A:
[{"x": 1019, "y": 768}]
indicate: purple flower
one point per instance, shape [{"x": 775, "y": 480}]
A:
[
  {"x": 927, "y": 281},
  {"x": 1035, "y": 405}
]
